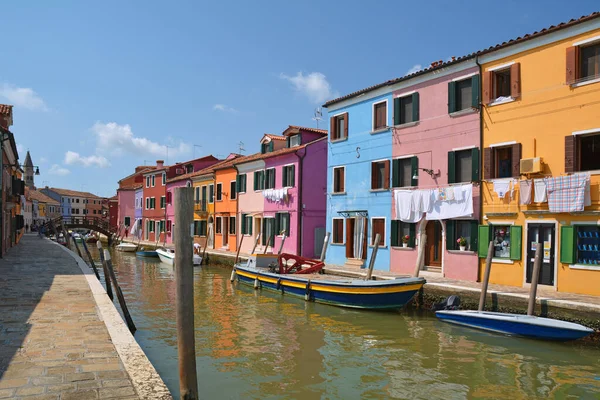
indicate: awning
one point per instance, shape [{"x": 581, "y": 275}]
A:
[{"x": 354, "y": 213}]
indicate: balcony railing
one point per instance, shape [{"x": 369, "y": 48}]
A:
[{"x": 200, "y": 206}]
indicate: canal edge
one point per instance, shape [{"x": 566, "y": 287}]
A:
[{"x": 147, "y": 382}]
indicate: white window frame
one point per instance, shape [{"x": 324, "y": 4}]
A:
[
  {"x": 264, "y": 177},
  {"x": 283, "y": 174},
  {"x": 333, "y": 180},
  {"x": 341, "y": 138},
  {"x": 164, "y": 179},
  {"x": 148, "y": 180},
  {"x": 275, "y": 180},
  {"x": 372, "y": 238},
  {"x": 153, "y": 180},
  {"x": 165, "y": 202},
  {"x": 299, "y": 140},
  {"x": 214, "y": 194},
  {"x": 245, "y": 183},
  {"x": 153, "y": 198},
  {"x": 343, "y": 242},
  {"x": 373, "y": 115},
  {"x": 229, "y": 225},
  {"x": 147, "y": 203}
]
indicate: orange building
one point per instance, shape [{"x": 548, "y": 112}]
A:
[{"x": 226, "y": 206}]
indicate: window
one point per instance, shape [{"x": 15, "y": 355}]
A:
[
  {"x": 463, "y": 165},
  {"x": 152, "y": 203},
  {"x": 590, "y": 62},
  {"x": 164, "y": 179},
  {"x": 501, "y": 238},
  {"x": 288, "y": 178},
  {"x": 200, "y": 227},
  {"x": 246, "y": 224},
  {"x": 266, "y": 147},
  {"x": 295, "y": 140},
  {"x": 211, "y": 193},
  {"x": 587, "y": 244},
  {"x": 163, "y": 202},
  {"x": 338, "y": 127},
  {"x": 466, "y": 229},
  {"x": 219, "y": 191},
  {"x": 502, "y": 84},
  {"x": 380, "y": 175},
  {"x": 147, "y": 203},
  {"x": 403, "y": 232},
  {"x": 259, "y": 180},
  {"x": 147, "y": 181},
  {"x": 268, "y": 232},
  {"x": 406, "y": 109},
  {"x": 589, "y": 152},
  {"x": 169, "y": 225},
  {"x": 76, "y": 200},
  {"x": 169, "y": 197},
  {"x": 404, "y": 170},
  {"x": 502, "y": 162},
  {"x": 241, "y": 183},
  {"x": 270, "y": 178},
  {"x": 150, "y": 226},
  {"x": 188, "y": 184},
  {"x": 379, "y": 115},
  {"x": 463, "y": 94},
  {"x": 378, "y": 226},
  {"x": 218, "y": 225},
  {"x": 153, "y": 179},
  {"x": 197, "y": 194},
  {"x": 339, "y": 180},
  {"x": 282, "y": 224},
  {"x": 189, "y": 169},
  {"x": 232, "y": 225},
  {"x": 232, "y": 190}
]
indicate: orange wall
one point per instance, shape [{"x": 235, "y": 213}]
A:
[{"x": 226, "y": 205}]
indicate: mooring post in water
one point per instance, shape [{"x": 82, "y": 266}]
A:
[
  {"x": 105, "y": 269},
  {"x": 281, "y": 246},
  {"x": 537, "y": 264},
  {"x": 486, "y": 276},
  {"x": 120, "y": 296},
  {"x": 373, "y": 257},
  {"x": 183, "y": 202},
  {"x": 325, "y": 244},
  {"x": 420, "y": 253},
  {"x": 255, "y": 243},
  {"x": 65, "y": 234},
  {"x": 87, "y": 251},
  {"x": 268, "y": 243},
  {"x": 77, "y": 247},
  {"x": 237, "y": 254}
]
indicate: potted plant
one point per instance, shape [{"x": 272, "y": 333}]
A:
[
  {"x": 405, "y": 239},
  {"x": 462, "y": 243}
]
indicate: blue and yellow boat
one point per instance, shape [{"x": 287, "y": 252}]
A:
[{"x": 332, "y": 289}]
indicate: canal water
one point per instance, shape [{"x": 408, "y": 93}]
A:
[{"x": 260, "y": 345}]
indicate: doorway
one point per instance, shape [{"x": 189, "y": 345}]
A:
[
  {"x": 433, "y": 247},
  {"x": 541, "y": 235},
  {"x": 225, "y": 230},
  {"x": 356, "y": 238}
]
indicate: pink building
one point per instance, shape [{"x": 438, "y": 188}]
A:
[{"x": 436, "y": 140}]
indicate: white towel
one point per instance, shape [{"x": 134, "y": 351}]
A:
[
  {"x": 449, "y": 193},
  {"x": 453, "y": 209},
  {"x": 416, "y": 201},
  {"x": 427, "y": 199},
  {"x": 403, "y": 204},
  {"x": 540, "y": 194},
  {"x": 501, "y": 187},
  {"x": 458, "y": 193}
]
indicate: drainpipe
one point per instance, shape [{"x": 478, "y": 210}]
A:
[
  {"x": 300, "y": 205},
  {"x": 480, "y": 152}
]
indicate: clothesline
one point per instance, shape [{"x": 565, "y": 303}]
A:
[{"x": 436, "y": 204}]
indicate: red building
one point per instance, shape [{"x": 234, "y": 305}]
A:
[{"x": 113, "y": 211}]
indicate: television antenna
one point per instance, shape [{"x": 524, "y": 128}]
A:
[
  {"x": 318, "y": 116},
  {"x": 241, "y": 147}
]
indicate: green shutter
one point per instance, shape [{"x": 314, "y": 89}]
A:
[
  {"x": 237, "y": 183},
  {"x": 271, "y": 146},
  {"x": 397, "y": 111},
  {"x": 451, "y": 97},
  {"x": 273, "y": 179},
  {"x": 287, "y": 141},
  {"x": 293, "y": 183},
  {"x": 287, "y": 225},
  {"x": 243, "y": 224},
  {"x": 414, "y": 171},
  {"x": 415, "y": 106},
  {"x": 475, "y": 164},
  {"x": 451, "y": 168},
  {"x": 277, "y": 223},
  {"x": 483, "y": 240},
  {"x": 451, "y": 235},
  {"x": 474, "y": 238},
  {"x": 412, "y": 234},
  {"x": 567, "y": 244},
  {"x": 250, "y": 226},
  {"x": 255, "y": 180},
  {"x": 475, "y": 91},
  {"x": 516, "y": 232},
  {"x": 396, "y": 173},
  {"x": 262, "y": 148},
  {"x": 244, "y": 180},
  {"x": 394, "y": 233}
]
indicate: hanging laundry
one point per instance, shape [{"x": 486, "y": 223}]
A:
[
  {"x": 426, "y": 199},
  {"x": 453, "y": 209},
  {"x": 525, "y": 190},
  {"x": 403, "y": 204},
  {"x": 449, "y": 193},
  {"x": 416, "y": 201},
  {"x": 458, "y": 193},
  {"x": 441, "y": 194},
  {"x": 501, "y": 187},
  {"x": 567, "y": 193},
  {"x": 539, "y": 191}
]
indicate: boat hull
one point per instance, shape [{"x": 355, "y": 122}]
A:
[
  {"x": 392, "y": 294},
  {"x": 128, "y": 249},
  {"x": 516, "y": 325},
  {"x": 145, "y": 253},
  {"x": 166, "y": 256}
]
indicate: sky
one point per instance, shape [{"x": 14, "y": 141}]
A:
[{"x": 100, "y": 87}]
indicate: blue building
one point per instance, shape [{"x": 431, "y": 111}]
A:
[
  {"x": 359, "y": 199},
  {"x": 60, "y": 195}
]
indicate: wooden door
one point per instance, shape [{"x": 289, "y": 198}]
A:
[
  {"x": 433, "y": 248},
  {"x": 350, "y": 222},
  {"x": 225, "y": 230}
]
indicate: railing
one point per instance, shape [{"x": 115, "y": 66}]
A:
[
  {"x": 93, "y": 222},
  {"x": 200, "y": 206}
]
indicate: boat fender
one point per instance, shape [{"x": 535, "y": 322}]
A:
[
  {"x": 256, "y": 283},
  {"x": 307, "y": 294},
  {"x": 233, "y": 274}
]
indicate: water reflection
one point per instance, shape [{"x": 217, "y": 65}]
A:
[{"x": 262, "y": 345}]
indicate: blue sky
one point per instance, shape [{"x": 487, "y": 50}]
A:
[{"x": 100, "y": 87}]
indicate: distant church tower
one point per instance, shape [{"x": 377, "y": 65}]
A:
[{"x": 28, "y": 171}]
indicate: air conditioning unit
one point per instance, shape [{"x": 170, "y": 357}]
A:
[
  {"x": 531, "y": 165},
  {"x": 179, "y": 171}
]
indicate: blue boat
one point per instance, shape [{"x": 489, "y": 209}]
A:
[
  {"x": 333, "y": 290},
  {"x": 146, "y": 253},
  {"x": 516, "y": 324}
]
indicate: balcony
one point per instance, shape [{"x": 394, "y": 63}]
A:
[{"x": 200, "y": 206}]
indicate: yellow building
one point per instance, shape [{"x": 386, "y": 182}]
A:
[{"x": 541, "y": 119}]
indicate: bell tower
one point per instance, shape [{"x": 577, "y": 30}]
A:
[{"x": 28, "y": 169}]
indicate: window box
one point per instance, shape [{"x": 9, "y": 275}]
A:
[{"x": 467, "y": 229}]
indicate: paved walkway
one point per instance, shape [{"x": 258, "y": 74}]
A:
[{"x": 53, "y": 343}]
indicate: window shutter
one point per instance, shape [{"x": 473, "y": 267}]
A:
[
  {"x": 415, "y": 106},
  {"x": 397, "y": 111},
  {"x": 396, "y": 173},
  {"x": 287, "y": 224},
  {"x": 515, "y": 80},
  {"x": 271, "y": 146},
  {"x": 516, "y": 160},
  {"x": 394, "y": 233},
  {"x": 451, "y": 167},
  {"x": 572, "y": 64},
  {"x": 451, "y": 97},
  {"x": 483, "y": 240},
  {"x": 570, "y": 154},
  {"x": 262, "y": 148},
  {"x": 386, "y": 175},
  {"x": 287, "y": 142},
  {"x": 243, "y": 224},
  {"x": 373, "y": 176},
  {"x": 475, "y": 164},
  {"x": 516, "y": 232},
  {"x": 414, "y": 171},
  {"x": 487, "y": 89},
  {"x": 474, "y": 238},
  {"x": 332, "y": 133},
  {"x": 277, "y": 223},
  {"x": 475, "y": 90},
  {"x": 346, "y": 124},
  {"x": 255, "y": 180},
  {"x": 342, "y": 184},
  {"x": 293, "y": 182},
  {"x": 450, "y": 235},
  {"x": 488, "y": 163},
  {"x": 567, "y": 244},
  {"x": 237, "y": 183},
  {"x": 411, "y": 234}
]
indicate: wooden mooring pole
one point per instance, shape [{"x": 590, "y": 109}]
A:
[
  {"x": 486, "y": 276},
  {"x": 255, "y": 244},
  {"x": 325, "y": 244},
  {"x": 120, "y": 296},
  {"x": 537, "y": 264},
  {"x": 87, "y": 251},
  {"x": 237, "y": 254},
  {"x": 77, "y": 247},
  {"x": 183, "y": 202},
  {"x": 373, "y": 257},
  {"x": 268, "y": 243},
  {"x": 105, "y": 269},
  {"x": 281, "y": 246}
]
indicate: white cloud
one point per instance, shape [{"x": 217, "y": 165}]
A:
[
  {"x": 21, "y": 150},
  {"x": 43, "y": 159},
  {"x": 224, "y": 108},
  {"x": 72, "y": 158},
  {"x": 119, "y": 139},
  {"x": 58, "y": 170},
  {"x": 22, "y": 97},
  {"x": 314, "y": 86},
  {"x": 415, "y": 68}
]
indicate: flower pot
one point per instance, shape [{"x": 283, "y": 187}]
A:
[
  {"x": 463, "y": 248},
  {"x": 404, "y": 244}
]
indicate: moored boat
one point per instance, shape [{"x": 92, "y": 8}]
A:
[
  {"x": 127, "y": 247},
  {"x": 168, "y": 256},
  {"x": 146, "y": 253}
]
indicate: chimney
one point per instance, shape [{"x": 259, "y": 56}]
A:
[{"x": 159, "y": 163}]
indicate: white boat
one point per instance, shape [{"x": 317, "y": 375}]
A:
[
  {"x": 197, "y": 260},
  {"x": 128, "y": 247},
  {"x": 168, "y": 256}
]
